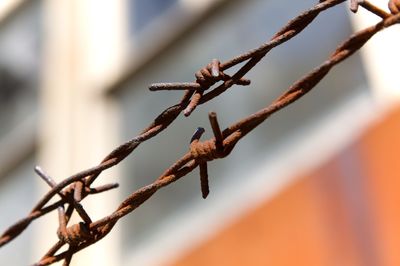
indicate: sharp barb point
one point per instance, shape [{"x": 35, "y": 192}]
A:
[{"x": 200, "y": 152}]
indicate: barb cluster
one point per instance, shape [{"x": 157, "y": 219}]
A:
[{"x": 76, "y": 187}]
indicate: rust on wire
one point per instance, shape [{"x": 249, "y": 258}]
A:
[
  {"x": 195, "y": 149},
  {"x": 368, "y": 6},
  {"x": 210, "y": 82},
  {"x": 219, "y": 139},
  {"x": 394, "y": 6}
]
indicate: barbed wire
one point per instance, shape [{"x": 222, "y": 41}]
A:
[{"x": 75, "y": 188}]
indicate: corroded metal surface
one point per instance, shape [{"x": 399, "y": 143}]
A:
[{"x": 75, "y": 188}]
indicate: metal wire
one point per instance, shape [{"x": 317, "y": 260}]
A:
[{"x": 76, "y": 187}]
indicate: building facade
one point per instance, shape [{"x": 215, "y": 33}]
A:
[{"x": 314, "y": 185}]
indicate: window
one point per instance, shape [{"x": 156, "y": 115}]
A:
[
  {"x": 142, "y": 12},
  {"x": 236, "y": 27}
]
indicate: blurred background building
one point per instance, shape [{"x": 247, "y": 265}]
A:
[{"x": 317, "y": 184}]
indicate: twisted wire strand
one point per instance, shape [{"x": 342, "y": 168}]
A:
[
  {"x": 199, "y": 152},
  {"x": 161, "y": 123},
  {"x": 235, "y": 132}
]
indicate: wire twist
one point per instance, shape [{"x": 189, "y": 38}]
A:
[
  {"x": 394, "y": 6},
  {"x": 75, "y": 188},
  {"x": 75, "y": 234},
  {"x": 204, "y": 151}
]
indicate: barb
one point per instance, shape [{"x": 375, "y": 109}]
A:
[
  {"x": 75, "y": 188},
  {"x": 354, "y": 4}
]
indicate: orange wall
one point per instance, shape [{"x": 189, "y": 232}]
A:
[
  {"x": 347, "y": 212},
  {"x": 380, "y": 151}
]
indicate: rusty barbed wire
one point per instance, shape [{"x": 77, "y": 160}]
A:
[{"x": 75, "y": 188}]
